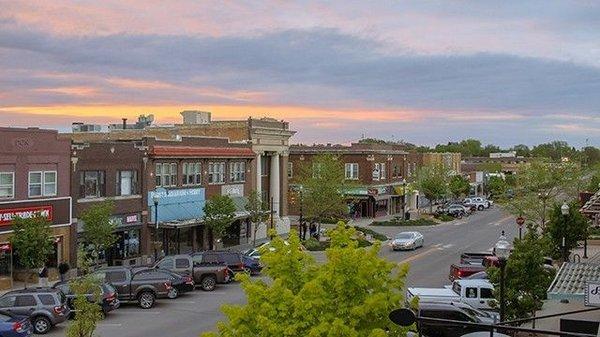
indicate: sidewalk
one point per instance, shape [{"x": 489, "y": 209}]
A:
[{"x": 593, "y": 253}]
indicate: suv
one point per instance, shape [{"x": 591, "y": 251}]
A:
[
  {"x": 46, "y": 307},
  {"x": 140, "y": 284},
  {"x": 478, "y": 203},
  {"x": 233, "y": 260},
  {"x": 108, "y": 300},
  {"x": 450, "y": 312}
]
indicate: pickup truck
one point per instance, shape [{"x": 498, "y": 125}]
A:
[
  {"x": 205, "y": 275},
  {"x": 460, "y": 271},
  {"x": 477, "y": 293},
  {"x": 140, "y": 284},
  {"x": 474, "y": 257}
]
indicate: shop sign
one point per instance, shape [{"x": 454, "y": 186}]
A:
[
  {"x": 372, "y": 191},
  {"x": 8, "y": 215},
  {"x": 592, "y": 294},
  {"x": 233, "y": 190},
  {"x": 177, "y": 204},
  {"x": 5, "y": 247},
  {"x": 127, "y": 219}
]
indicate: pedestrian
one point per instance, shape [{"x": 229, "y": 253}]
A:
[
  {"x": 313, "y": 230},
  {"x": 43, "y": 276}
]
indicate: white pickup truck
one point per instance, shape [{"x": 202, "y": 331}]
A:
[{"x": 477, "y": 293}]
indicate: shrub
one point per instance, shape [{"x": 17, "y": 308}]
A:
[
  {"x": 398, "y": 222},
  {"x": 444, "y": 217},
  {"x": 374, "y": 234},
  {"x": 312, "y": 244}
]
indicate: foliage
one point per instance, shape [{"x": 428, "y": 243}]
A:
[
  {"x": 540, "y": 184},
  {"x": 572, "y": 227},
  {"x": 219, "y": 212},
  {"x": 526, "y": 278},
  {"x": 522, "y": 150},
  {"x": 555, "y": 151},
  {"x": 312, "y": 244},
  {"x": 400, "y": 222},
  {"x": 258, "y": 211},
  {"x": 432, "y": 181},
  {"x": 594, "y": 183},
  {"x": 88, "y": 311},
  {"x": 32, "y": 239},
  {"x": 444, "y": 217},
  {"x": 496, "y": 186},
  {"x": 98, "y": 229},
  {"x": 323, "y": 182},
  {"x": 459, "y": 186},
  {"x": 350, "y": 294},
  {"x": 374, "y": 234},
  {"x": 490, "y": 167}
]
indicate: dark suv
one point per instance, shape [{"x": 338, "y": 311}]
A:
[
  {"x": 46, "y": 307},
  {"x": 233, "y": 260},
  {"x": 140, "y": 284},
  {"x": 450, "y": 312},
  {"x": 108, "y": 300}
]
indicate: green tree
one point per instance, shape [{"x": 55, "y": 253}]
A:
[
  {"x": 555, "y": 151},
  {"x": 259, "y": 212},
  {"x": 591, "y": 155},
  {"x": 32, "y": 240},
  {"x": 496, "y": 186},
  {"x": 98, "y": 228},
  {"x": 219, "y": 212},
  {"x": 571, "y": 226},
  {"x": 522, "y": 150},
  {"x": 88, "y": 311},
  {"x": 459, "y": 186},
  {"x": 432, "y": 181},
  {"x": 349, "y": 295},
  {"x": 324, "y": 185},
  {"x": 527, "y": 279}
]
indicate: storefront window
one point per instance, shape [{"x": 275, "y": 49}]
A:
[
  {"x": 130, "y": 240},
  {"x": 5, "y": 260},
  {"x": 186, "y": 240}
]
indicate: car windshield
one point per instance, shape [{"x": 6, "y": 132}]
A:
[{"x": 404, "y": 236}]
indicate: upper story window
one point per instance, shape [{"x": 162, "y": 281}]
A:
[
  {"x": 91, "y": 184},
  {"x": 264, "y": 167},
  {"x": 290, "y": 170},
  {"x": 376, "y": 171},
  {"x": 237, "y": 171},
  {"x": 7, "y": 185},
  {"x": 382, "y": 175},
  {"x": 396, "y": 172},
  {"x": 351, "y": 171},
  {"x": 42, "y": 183},
  {"x": 192, "y": 174},
  {"x": 166, "y": 174},
  {"x": 127, "y": 183},
  {"x": 216, "y": 172}
]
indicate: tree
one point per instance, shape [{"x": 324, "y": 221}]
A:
[
  {"x": 32, "y": 240},
  {"x": 496, "y": 186},
  {"x": 522, "y": 150},
  {"x": 528, "y": 279},
  {"x": 324, "y": 185},
  {"x": 555, "y": 151},
  {"x": 88, "y": 312},
  {"x": 259, "y": 212},
  {"x": 591, "y": 155},
  {"x": 349, "y": 295},
  {"x": 459, "y": 186},
  {"x": 219, "y": 213},
  {"x": 571, "y": 226},
  {"x": 98, "y": 228},
  {"x": 432, "y": 181}
]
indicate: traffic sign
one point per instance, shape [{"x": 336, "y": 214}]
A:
[
  {"x": 592, "y": 294},
  {"x": 520, "y": 221}
]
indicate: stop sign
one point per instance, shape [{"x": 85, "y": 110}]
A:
[{"x": 520, "y": 221}]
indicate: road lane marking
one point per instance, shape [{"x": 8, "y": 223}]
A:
[
  {"x": 448, "y": 246},
  {"x": 107, "y": 325},
  {"x": 420, "y": 255}
]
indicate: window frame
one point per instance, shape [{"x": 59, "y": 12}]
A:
[
  {"x": 290, "y": 170},
  {"x": 44, "y": 183},
  {"x": 160, "y": 178},
  {"x": 237, "y": 171},
  {"x": 12, "y": 185},
  {"x": 29, "y": 184},
  {"x": 349, "y": 168},
  {"x": 213, "y": 174},
  {"x": 382, "y": 172},
  {"x": 191, "y": 173},
  {"x": 134, "y": 183},
  {"x": 101, "y": 184},
  {"x": 376, "y": 168}
]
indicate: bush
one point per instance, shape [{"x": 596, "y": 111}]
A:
[
  {"x": 331, "y": 220},
  {"x": 374, "y": 234},
  {"x": 312, "y": 244},
  {"x": 399, "y": 222},
  {"x": 444, "y": 217}
]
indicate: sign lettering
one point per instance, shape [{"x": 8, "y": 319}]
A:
[
  {"x": 592, "y": 294},
  {"x": 8, "y": 215}
]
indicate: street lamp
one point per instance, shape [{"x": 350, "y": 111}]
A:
[
  {"x": 564, "y": 209},
  {"x": 403, "y": 199},
  {"x": 502, "y": 251},
  {"x": 301, "y": 228},
  {"x": 155, "y": 199}
]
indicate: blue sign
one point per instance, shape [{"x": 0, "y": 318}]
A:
[{"x": 177, "y": 204}]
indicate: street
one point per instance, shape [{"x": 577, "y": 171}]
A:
[{"x": 199, "y": 311}]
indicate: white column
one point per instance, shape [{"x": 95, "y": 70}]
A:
[
  {"x": 274, "y": 181},
  {"x": 258, "y": 173}
]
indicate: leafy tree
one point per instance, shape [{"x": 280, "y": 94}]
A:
[
  {"x": 527, "y": 279},
  {"x": 459, "y": 186},
  {"x": 432, "y": 181},
  {"x": 522, "y": 150},
  {"x": 88, "y": 311},
  {"x": 259, "y": 212},
  {"x": 572, "y": 227},
  {"x": 324, "y": 184},
  {"x": 349, "y": 295},
  {"x": 496, "y": 186},
  {"x": 591, "y": 155},
  {"x": 490, "y": 148},
  {"x": 98, "y": 228},
  {"x": 555, "y": 151},
  {"x": 594, "y": 183},
  {"x": 219, "y": 213},
  {"x": 32, "y": 240}
]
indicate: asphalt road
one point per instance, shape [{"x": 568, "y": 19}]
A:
[{"x": 197, "y": 312}]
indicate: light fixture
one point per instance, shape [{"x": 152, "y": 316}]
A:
[
  {"x": 502, "y": 248},
  {"x": 156, "y": 199}
]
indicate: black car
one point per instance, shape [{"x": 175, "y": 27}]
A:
[
  {"x": 233, "y": 260},
  {"x": 108, "y": 301},
  {"x": 252, "y": 265},
  {"x": 180, "y": 284}
]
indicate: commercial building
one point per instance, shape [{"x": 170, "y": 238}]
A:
[
  {"x": 450, "y": 160},
  {"x": 505, "y": 163},
  {"x": 378, "y": 170},
  {"x": 34, "y": 181}
]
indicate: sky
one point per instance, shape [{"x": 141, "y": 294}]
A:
[{"x": 426, "y": 72}]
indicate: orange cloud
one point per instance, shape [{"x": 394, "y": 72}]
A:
[{"x": 71, "y": 91}]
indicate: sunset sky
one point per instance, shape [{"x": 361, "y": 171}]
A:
[{"x": 506, "y": 72}]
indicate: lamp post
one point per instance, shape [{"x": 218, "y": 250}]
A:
[
  {"x": 155, "y": 199},
  {"x": 403, "y": 199},
  {"x": 302, "y": 230},
  {"x": 564, "y": 209},
  {"x": 502, "y": 251}
]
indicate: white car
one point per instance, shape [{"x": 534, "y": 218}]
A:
[
  {"x": 478, "y": 202},
  {"x": 407, "y": 240}
]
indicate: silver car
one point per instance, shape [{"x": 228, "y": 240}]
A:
[{"x": 407, "y": 240}]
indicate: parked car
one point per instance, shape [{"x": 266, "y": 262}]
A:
[
  {"x": 180, "y": 284},
  {"x": 12, "y": 325},
  {"x": 450, "y": 312},
  {"x": 46, "y": 307},
  {"x": 108, "y": 300},
  {"x": 478, "y": 202},
  {"x": 140, "y": 284},
  {"x": 482, "y": 275},
  {"x": 456, "y": 210},
  {"x": 460, "y": 271},
  {"x": 252, "y": 265},
  {"x": 407, "y": 240},
  {"x": 233, "y": 260},
  {"x": 477, "y": 293},
  {"x": 205, "y": 275}
]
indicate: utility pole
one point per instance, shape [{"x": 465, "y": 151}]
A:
[{"x": 272, "y": 216}]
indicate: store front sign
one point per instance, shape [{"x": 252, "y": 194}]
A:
[
  {"x": 177, "y": 204},
  {"x": 592, "y": 294},
  {"x": 8, "y": 215},
  {"x": 233, "y": 190}
]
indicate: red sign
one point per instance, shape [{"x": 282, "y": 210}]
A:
[
  {"x": 8, "y": 215},
  {"x": 5, "y": 247},
  {"x": 520, "y": 221}
]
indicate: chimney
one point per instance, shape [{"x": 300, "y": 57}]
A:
[{"x": 124, "y": 123}]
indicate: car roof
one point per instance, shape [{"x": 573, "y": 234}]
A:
[
  {"x": 437, "y": 305},
  {"x": 33, "y": 290},
  {"x": 474, "y": 282}
]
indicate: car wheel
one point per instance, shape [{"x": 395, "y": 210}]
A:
[
  {"x": 247, "y": 270},
  {"x": 41, "y": 325},
  {"x": 480, "y": 207},
  {"x": 173, "y": 293},
  {"x": 208, "y": 283},
  {"x": 146, "y": 299}
]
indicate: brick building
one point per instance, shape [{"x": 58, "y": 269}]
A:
[
  {"x": 34, "y": 181},
  {"x": 379, "y": 170}
]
